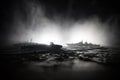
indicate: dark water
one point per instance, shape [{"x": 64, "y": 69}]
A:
[{"x": 68, "y": 70}]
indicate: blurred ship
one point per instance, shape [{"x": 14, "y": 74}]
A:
[
  {"x": 82, "y": 46},
  {"x": 30, "y": 47}
]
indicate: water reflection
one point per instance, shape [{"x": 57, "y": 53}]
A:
[
  {"x": 88, "y": 66},
  {"x": 72, "y": 70},
  {"x": 73, "y": 65}
]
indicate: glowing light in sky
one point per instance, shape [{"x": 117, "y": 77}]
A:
[
  {"x": 88, "y": 31},
  {"x": 49, "y": 34},
  {"x": 43, "y": 30},
  {"x": 47, "y": 31}
]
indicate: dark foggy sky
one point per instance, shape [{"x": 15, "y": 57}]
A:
[{"x": 107, "y": 11}]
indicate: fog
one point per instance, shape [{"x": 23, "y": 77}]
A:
[{"x": 39, "y": 28}]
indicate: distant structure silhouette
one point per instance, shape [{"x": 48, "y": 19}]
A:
[
  {"x": 31, "y": 40},
  {"x": 82, "y": 45},
  {"x": 55, "y": 48}
]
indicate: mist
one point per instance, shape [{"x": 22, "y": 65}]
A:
[{"x": 35, "y": 25}]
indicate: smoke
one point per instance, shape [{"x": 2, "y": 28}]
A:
[{"x": 34, "y": 24}]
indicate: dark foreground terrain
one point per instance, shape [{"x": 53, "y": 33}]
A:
[
  {"x": 67, "y": 70},
  {"x": 94, "y": 64}
]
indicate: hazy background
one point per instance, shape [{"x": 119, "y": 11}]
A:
[{"x": 62, "y": 22}]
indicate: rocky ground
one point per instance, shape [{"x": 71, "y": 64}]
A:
[
  {"x": 102, "y": 55},
  {"x": 93, "y": 64}
]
